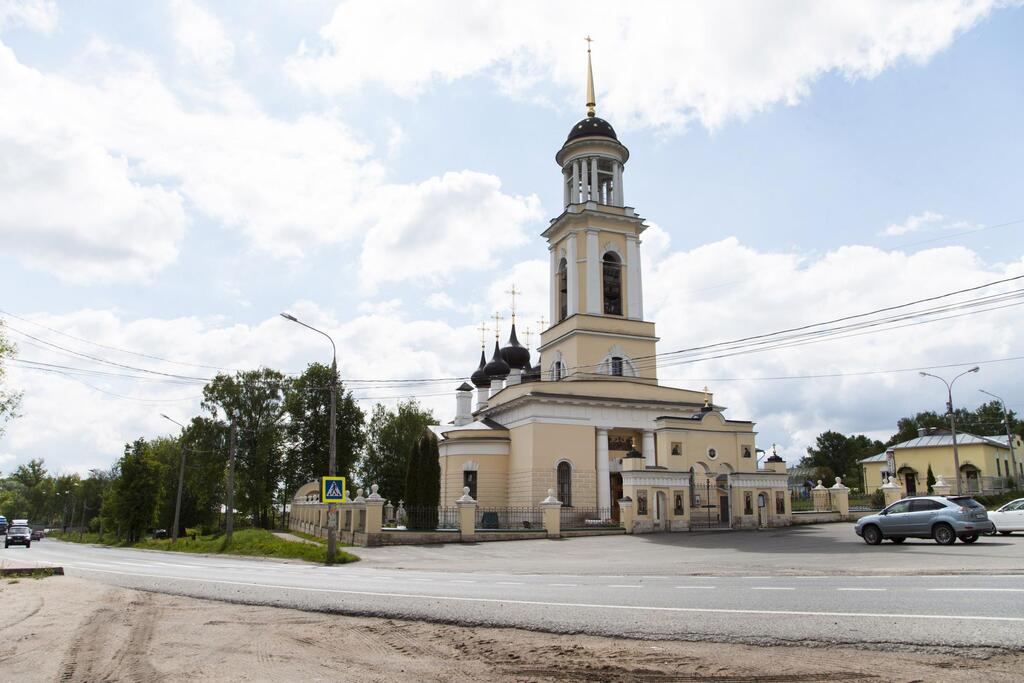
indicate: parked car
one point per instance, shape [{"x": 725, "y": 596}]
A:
[
  {"x": 160, "y": 533},
  {"x": 3, "y": 524},
  {"x": 1008, "y": 518},
  {"x": 18, "y": 535},
  {"x": 943, "y": 519},
  {"x": 38, "y": 535}
]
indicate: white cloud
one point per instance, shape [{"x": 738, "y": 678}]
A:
[
  {"x": 38, "y": 15},
  {"x": 657, "y": 64},
  {"x": 200, "y": 38},
  {"x": 914, "y": 223}
]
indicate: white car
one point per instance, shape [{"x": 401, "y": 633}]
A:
[{"x": 1009, "y": 518}]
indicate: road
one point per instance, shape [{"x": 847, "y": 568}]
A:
[{"x": 926, "y": 612}]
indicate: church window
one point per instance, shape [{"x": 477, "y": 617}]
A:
[
  {"x": 712, "y": 454},
  {"x": 746, "y": 451},
  {"x": 612, "y": 284},
  {"x": 565, "y": 484},
  {"x": 563, "y": 289},
  {"x": 617, "y": 366},
  {"x": 557, "y": 370},
  {"x": 469, "y": 479}
]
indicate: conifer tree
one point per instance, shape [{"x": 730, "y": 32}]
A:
[{"x": 931, "y": 478}]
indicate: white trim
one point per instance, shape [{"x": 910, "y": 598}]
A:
[
  {"x": 605, "y": 366},
  {"x": 470, "y": 466},
  {"x": 593, "y": 273},
  {"x": 456, "y": 447},
  {"x": 572, "y": 283},
  {"x": 611, "y": 247}
]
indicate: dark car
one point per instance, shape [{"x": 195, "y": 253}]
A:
[
  {"x": 38, "y": 535},
  {"x": 18, "y": 535},
  {"x": 160, "y": 533}
]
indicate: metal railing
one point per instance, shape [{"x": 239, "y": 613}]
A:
[
  {"x": 429, "y": 517},
  {"x": 864, "y": 502},
  {"x": 509, "y": 518},
  {"x": 587, "y": 518}
]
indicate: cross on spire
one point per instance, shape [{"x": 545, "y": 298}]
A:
[
  {"x": 706, "y": 400},
  {"x": 497, "y": 325},
  {"x": 528, "y": 333},
  {"x": 483, "y": 334},
  {"x": 514, "y": 292}
]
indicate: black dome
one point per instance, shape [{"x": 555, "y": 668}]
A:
[
  {"x": 497, "y": 368},
  {"x": 515, "y": 354},
  {"x": 479, "y": 377},
  {"x": 592, "y": 126}
]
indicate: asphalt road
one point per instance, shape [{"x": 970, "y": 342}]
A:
[{"x": 934, "y": 612}]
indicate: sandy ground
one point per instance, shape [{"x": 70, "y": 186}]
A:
[{"x": 67, "y": 629}]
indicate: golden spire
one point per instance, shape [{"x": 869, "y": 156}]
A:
[{"x": 591, "y": 100}]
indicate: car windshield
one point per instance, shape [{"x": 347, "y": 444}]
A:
[
  {"x": 20, "y": 530},
  {"x": 967, "y": 503}
]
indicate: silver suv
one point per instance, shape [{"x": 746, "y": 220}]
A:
[{"x": 944, "y": 519}]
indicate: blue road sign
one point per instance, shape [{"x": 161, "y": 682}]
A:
[{"x": 332, "y": 489}]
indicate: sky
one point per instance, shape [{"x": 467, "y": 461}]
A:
[{"x": 173, "y": 175}]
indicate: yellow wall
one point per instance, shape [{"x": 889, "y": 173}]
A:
[
  {"x": 982, "y": 456},
  {"x": 696, "y": 438},
  {"x": 492, "y": 478}
]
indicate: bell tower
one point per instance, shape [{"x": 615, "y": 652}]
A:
[{"x": 596, "y": 295}]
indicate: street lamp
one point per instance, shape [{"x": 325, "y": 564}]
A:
[
  {"x": 1009, "y": 436},
  {"x": 952, "y": 416},
  {"x": 181, "y": 479},
  {"x": 332, "y": 463}
]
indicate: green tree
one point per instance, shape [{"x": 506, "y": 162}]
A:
[
  {"x": 9, "y": 400},
  {"x": 38, "y": 490},
  {"x": 390, "y": 436},
  {"x": 206, "y": 453},
  {"x": 308, "y": 407},
  {"x": 838, "y": 455},
  {"x": 985, "y": 420},
  {"x": 129, "y": 505},
  {"x": 930, "y": 480},
  {"x": 423, "y": 482},
  {"x": 257, "y": 396}
]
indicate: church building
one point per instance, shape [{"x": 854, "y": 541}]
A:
[{"x": 587, "y": 418}]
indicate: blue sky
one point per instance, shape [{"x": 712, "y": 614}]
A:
[{"x": 269, "y": 160}]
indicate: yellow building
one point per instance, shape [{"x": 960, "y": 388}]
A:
[
  {"x": 986, "y": 463},
  {"x": 590, "y": 420}
]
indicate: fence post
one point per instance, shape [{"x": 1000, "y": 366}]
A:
[
  {"x": 892, "y": 491},
  {"x": 374, "y": 511},
  {"x": 819, "y": 497},
  {"x": 626, "y": 514},
  {"x": 467, "y": 516},
  {"x": 840, "y": 499},
  {"x": 552, "y": 508},
  {"x": 940, "y": 487}
]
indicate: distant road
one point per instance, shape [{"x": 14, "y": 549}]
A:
[{"x": 922, "y": 611}]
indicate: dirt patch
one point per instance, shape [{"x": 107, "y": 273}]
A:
[{"x": 69, "y": 629}]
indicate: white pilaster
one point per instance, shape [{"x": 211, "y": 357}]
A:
[
  {"x": 572, "y": 279},
  {"x": 620, "y": 199},
  {"x": 514, "y": 377},
  {"x": 553, "y": 289},
  {"x": 593, "y": 273},
  {"x": 575, "y": 183},
  {"x": 463, "y": 413},
  {"x": 595, "y": 191},
  {"x": 650, "y": 459},
  {"x": 481, "y": 398},
  {"x": 604, "y": 484},
  {"x": 565, "y": 188},
  {"x": 634, "y": 293},
  {"x": 497, "y": 385},
  {"x": 584, "y": 180}
]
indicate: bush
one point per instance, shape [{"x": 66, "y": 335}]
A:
[
  {"x": 878, "y": 499},
  {"x": 999, "y": 499}
]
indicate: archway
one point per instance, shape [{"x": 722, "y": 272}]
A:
[{"x": 909, "y": 477}]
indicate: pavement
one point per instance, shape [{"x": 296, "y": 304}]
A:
[{"x": 741, "y": 587}]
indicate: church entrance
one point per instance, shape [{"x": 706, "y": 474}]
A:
[
  {"x": 709, "y": 507},
  {"x": 616, "y": 487},
  {"x": 660, "y": 511}
]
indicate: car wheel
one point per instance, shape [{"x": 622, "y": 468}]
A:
[
  {"x": 898, "y": 540},
  {"x": 28, "y": 545},
  {"x": 969, "y": 538},
  {"x": 1006, "y": 533},
  {"x": 943, "y": 534},
  {"x": 872, "y": 535}
]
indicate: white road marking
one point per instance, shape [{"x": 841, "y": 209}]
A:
[
  {"x": 509, "y": 583},
  {"x": 639, "y": 608},
  {"x": 862, "y": 589},
  {"x": 987, "y": 590},
  {"x": 698, "y": 587},
  {"x": 562, "y": 585},
  {"x": 623, "y": 585},
  {"x": 461, "y": 581}
]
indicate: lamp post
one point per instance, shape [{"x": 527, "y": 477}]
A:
[
  {"x": 1009, "y": 436},
  {"x": 952, "y": 417},
  {"x": 181, "y": 479},
  {"x": 332, "y": 462},
  {"x": 229, "y": 511}
]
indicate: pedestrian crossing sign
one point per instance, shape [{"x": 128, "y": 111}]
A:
[{"x": 332, "y": 489}]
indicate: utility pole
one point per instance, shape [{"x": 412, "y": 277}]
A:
[
  {"x": 952, "y": 418},
  {"x": 229, "y": 513},
  {"x": 181, "y": 479},
  {"x": 1009, "y": 434},
  {"x": 332, "y": 462},
  {"x": 81, "y": 531}
]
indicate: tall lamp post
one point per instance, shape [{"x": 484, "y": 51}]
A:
[
  {"x": 1009, "y": 436},
  {"x": 181, "y": 479},
  {"x": 332, "y": 463},
  {"x": 952, "y": 416}
]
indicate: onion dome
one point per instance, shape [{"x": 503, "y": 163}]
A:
[
  {"x": 515, "y": 354},
  {"x": 497, "y": 368},
  {"x": 590, "y": 127},
  {"x": 479, "y": 378}
]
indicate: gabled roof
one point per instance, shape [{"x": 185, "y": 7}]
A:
[{"x": 941, "y": 440}]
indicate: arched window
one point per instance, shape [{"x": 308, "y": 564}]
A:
[
  {"x": 612, "y": 284},
  {"x": 564, "y": 472},
  {"x": 563, "y": 289},
  {"x": 557, "y": 370},
  {"x": 617, "y": 366}
]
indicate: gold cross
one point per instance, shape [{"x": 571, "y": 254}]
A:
[
  {"x": 542, "y": 322},
  {"x": 483, "y": 334},
  {"x": 497, "y": 325},
  {"x": 513, "y": 292},
  {"x": 706, "y": 395},
  {"x": 589, "y": 41},
  {"x": 528, "y": 333}
]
